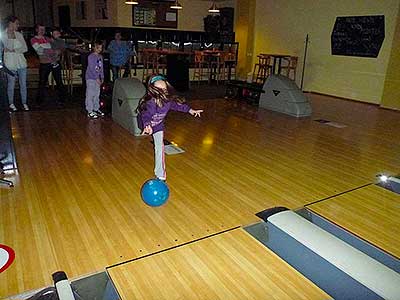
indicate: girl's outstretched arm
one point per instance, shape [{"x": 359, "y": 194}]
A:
[
  {"x": 182, "y": 107},
  {"x": 195, "y": 112}
]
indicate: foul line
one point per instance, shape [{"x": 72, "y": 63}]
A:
[
  {"x": 342, "y": 193},
  {"x": 171, "y": 248}
]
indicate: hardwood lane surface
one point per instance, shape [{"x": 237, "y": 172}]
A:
[
  {"x": 232, "y": 265},
  {"x": 76, "y": 202},
  {"x": 372, "y": 213}
]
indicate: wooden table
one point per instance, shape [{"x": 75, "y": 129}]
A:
[{"x": 277, "y": 64}]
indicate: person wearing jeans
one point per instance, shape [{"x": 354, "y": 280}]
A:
[
  {"x": 49, "y": 63},
  {"x": 14, "y": 48},
  {"x": 120, "y": 53}
]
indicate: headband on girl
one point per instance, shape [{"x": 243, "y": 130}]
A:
[{"x": 157, "y": 78}]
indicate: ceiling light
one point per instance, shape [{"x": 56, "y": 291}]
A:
[
  {"x": 176, "y": 5},
  {"x": 131, "y": 2},
  {"x": 214, "y": 8}
]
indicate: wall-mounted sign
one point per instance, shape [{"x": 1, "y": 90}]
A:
[
  {"x": 144, "y": 16},
  {"x": 170, "y": 17},
  {"x": 358, "y": 35},
  {"x": 154, "y": 14}
]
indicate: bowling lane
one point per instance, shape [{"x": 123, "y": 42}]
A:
[
  {"x": 371, "y": 213},
  {"x": 231, "y": 265}
]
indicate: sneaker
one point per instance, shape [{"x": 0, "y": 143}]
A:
[
  {"x": 26, "y": 107},
  {"x": 13, "y": 107},
  {"x": 92, "y": 115},
  {"x": 163, "y": 179},
  {"x": 99, "y": 113}
]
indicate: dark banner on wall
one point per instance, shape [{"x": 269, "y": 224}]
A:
[{"x": 358, "y": 35}]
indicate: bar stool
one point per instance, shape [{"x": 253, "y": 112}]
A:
[
  {"x": 290, "y": 65},
  {"x": 230, "y": 65},
  {"x": 217, "y": 67},
  {"x": 69, "y": 65},
  {"x": 149, "y": 63},
  {"x": 262, "y": 69},
  {"x": 160, "y": 63},
  {"x": 64, "y": 67},
  {"x": 200, "y": 64}
]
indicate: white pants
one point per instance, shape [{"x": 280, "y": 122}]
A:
[
  {"x": 159, "y": 156},
  {"x": 92, "y": 95}
]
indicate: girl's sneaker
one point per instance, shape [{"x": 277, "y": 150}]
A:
[
  {"x": 13, "y": 107},
  {"x": 99, "y": 113},
  {"x": 92, "y": 115},
  {"x": 26, "y": 107}
]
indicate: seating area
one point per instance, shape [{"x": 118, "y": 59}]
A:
[
  {"x": 268, "y": 64},
  {"x": 207, "y": 63},
  {"x": 214, "y": 65}
]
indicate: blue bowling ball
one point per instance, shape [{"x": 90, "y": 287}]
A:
[{"x": 155, "y": 192}]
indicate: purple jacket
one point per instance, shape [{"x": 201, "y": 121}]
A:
[
  {"x": 154, "y": 116},
  {"x": 95, "y": 67}
]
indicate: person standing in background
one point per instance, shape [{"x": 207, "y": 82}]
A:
[
  {"x": 49, "y": 63},
  {"x": 94, "y": 79},
  {"x": 14, "y": 48},
  {"x": 120, "y": 54}
]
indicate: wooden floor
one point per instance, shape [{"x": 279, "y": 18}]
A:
[
  {"x": 371, "y": 212},
  {"x": 76, "y": 204},
  {"x": 232, "y": 265}
]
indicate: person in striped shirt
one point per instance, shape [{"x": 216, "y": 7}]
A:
[{"x": 49, "y": 63}]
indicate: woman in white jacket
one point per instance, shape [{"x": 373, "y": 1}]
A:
[{"x": 14, "y": 48}]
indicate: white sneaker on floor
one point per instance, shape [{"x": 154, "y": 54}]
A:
[
  {"x": 13, "y": 107},
  {"x": 26, "y": 107},
  {"x": 99, "y": 113},
  {"x": 92, "y": 115}
]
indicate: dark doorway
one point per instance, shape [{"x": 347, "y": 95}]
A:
[{"x": 64, "y": 16}]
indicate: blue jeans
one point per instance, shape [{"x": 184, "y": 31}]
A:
[
  {"x": 22, "y": 86},
  {"x": 115, "y": 71}
]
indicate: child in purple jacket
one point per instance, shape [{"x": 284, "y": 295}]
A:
[
  {"x": 94, "y": 79},
  {"x": 153, "y": 108}
]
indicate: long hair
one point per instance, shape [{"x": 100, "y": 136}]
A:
[
  {"x": 158, "y": 95},
  {"x": 8, "y": 20}
]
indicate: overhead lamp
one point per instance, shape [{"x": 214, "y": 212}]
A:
[
  {"x": 131, "y": 2},
  {"x": 214, "y": 8},
  {"x": 176, "y": 5}
]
